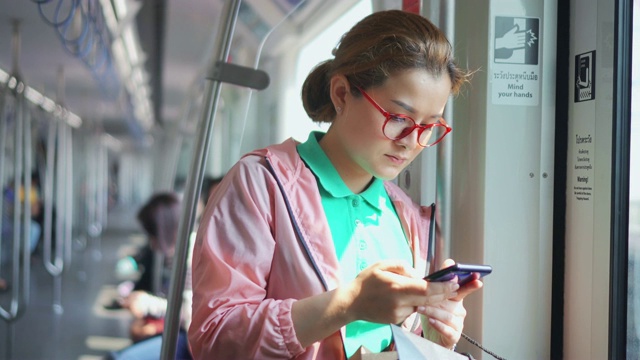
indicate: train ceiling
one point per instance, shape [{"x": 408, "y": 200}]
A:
[{"x": 156, "y": 50}]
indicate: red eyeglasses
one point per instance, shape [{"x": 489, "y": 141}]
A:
[{"x": 398, "y": 126}]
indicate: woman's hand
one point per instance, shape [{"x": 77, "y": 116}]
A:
[
  {"x": 386, "y": 292},
  {"x": 390, "y": 291},
  {"x": 443, "y": 321}
]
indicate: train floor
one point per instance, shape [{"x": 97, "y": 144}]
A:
[{"x": 84, "y": 329}]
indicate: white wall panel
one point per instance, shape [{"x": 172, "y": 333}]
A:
[
  {"x": 503, "y": 172},
  {"x": 588, "y": 189}
]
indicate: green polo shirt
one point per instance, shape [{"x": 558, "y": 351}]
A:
[{"x": 365, "y": 229}]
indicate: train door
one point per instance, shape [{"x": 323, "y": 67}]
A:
[{"x": 598, "y": 252}]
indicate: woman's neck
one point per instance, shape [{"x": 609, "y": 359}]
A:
[{"x": 355, "y": 177}]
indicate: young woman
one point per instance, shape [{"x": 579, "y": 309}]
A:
[{"x": 307, "y": 250}]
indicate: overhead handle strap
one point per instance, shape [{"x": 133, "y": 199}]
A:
[{"x": 239, "y": 75}]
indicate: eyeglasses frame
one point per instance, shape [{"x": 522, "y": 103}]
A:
[{"x": 421, "y": 128}]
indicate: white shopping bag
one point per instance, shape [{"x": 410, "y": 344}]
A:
[{"x": 409, "y": 346}]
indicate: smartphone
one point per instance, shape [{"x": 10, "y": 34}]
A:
[{"x": 463, "y": 271}]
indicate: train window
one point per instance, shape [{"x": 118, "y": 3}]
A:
[
  {"x": 633, "y": 302},
  {"x": 319, "y": 47}
]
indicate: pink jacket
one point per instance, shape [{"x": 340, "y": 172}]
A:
[{"x": 252, "y": 260}]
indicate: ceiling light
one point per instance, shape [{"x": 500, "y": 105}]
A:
[{"x": 38, "y": 99}]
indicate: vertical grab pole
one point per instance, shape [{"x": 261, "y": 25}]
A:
[
  {"x": 194, "y": 183},
  {"x": 68, "y": 192},
  {"x": 20, "y": 266},
  {"x": 26, "y": 178},
  {"x": 59, "y": 191},
  {"x": 54, "y": 267},
  {"x": 48, "y": 198},
  {"x": 3, "y": 138},
  {"x": 103, "y": 165},
  {"x": 5, "y": 314}
]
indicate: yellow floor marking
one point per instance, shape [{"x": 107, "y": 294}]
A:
[{"x": 106, "y": 343}]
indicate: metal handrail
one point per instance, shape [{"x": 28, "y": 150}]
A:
[
  {"x": 3, "y": 137},
  {"x": 54, "y": 267},
  {"x": 67, "y": 190},
  {"x": 20, "y": 268},
  {"x": 58, "y": 173},
  {"x": 194, "y": 183},
  {"x": 21, "y": 230},
  {"x": 21, "y": 227},
  {"x": 26, "y": 178}
]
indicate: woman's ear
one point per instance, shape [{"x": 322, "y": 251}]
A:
[{"x": 338, "y": 90}]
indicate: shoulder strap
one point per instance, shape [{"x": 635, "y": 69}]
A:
[{"x": 432, "y": 239}]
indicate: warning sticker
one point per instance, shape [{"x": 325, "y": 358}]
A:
[
  {"x": 585, "y": 77},
  {"x": 516, "y": 40},
  {"x": 515, "y": 70}
]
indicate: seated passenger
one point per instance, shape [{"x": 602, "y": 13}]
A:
[
  {"x": 7, "y": 229},
  {"x": 160, "y": 218}
]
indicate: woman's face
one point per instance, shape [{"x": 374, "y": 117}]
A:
[{"x": 355, "y": 142}]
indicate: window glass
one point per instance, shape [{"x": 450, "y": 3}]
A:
[{"x": 297, "y": 123}]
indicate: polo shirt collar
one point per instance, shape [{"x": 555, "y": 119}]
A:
[{"x": 329, "y": 178}]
